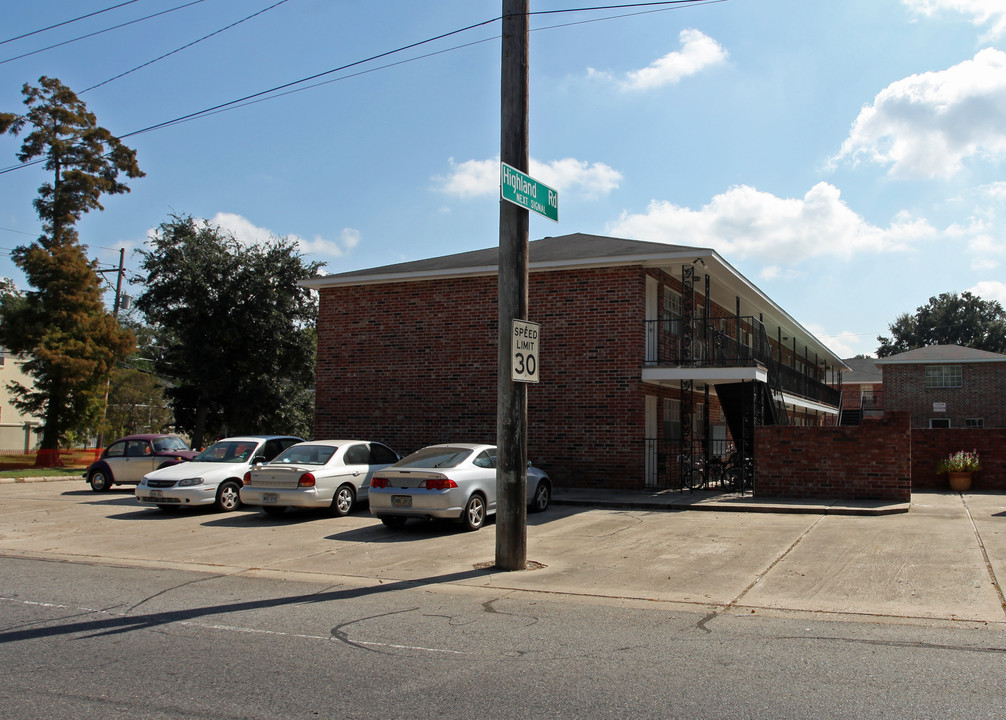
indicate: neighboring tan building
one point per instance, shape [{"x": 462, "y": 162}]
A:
[
  {"x": 648, "y": 352},
  {"x": 947, "y": 386},
  {"x": 16, "y": 429}
]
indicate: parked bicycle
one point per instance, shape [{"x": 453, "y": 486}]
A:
[{"x": 739, "y": 475}]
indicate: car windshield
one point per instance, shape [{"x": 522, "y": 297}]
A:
[
  {"x": 227, "y": 451},
  {"x": 167, "y": 444},
  {"x": 305, "y": 455},
  {"x": 435, "y": 457}
]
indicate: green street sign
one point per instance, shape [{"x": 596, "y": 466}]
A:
[{"x": 523, "y": 190}]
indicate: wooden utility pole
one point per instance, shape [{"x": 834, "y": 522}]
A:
[{"x": 511, "y": 411}]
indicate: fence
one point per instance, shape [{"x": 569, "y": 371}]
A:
[{"x": 22, "y": 459}]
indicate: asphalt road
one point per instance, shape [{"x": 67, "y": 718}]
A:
[{"x": 109, "y": 610}]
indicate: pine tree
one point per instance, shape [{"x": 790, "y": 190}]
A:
[{"x": 62, "y": 323}]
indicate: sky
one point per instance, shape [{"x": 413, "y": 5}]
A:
[{"x": 847, "y": 157}]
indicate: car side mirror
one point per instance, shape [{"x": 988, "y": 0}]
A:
[{"x": 259, "y": 460}]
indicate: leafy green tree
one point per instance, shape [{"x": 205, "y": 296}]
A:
[
  {"x": 234, "y": 328},
  {"x": 62, "y": 324},
  {"x": 948, "y": 319},
  {"x": 136, "y": 403}
]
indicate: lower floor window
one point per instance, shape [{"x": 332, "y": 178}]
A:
[
  {"x": 974, "y": 422},
  {"x": 939, "y": 422}
]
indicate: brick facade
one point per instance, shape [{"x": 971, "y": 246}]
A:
[
  {"x": 413, "y": 364},
  {"x": 982, "y": 394},
  {"x": 928, "y": 446},
  {"x": 865, "y": 462}
]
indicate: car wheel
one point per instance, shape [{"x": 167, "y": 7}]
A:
[
  {"x": 100, "y": 482},
  {"x": 273, "y": 510},
  {"x": 393, "y": 521},
  {"x": 343, "y": 501},
  {"x": 542, "y": 496},
  {"x": 474, "y": 515},
  {"x": 228, "y": 496}
]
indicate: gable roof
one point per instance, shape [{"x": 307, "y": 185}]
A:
[
  {"x": 581, "y": 251},
  {"x": 576, "y": 249},
  {"x": 862, "y": 371},
  {"x": 941, "y": 354}
]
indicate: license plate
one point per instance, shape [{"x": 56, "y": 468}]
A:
[
  {"x": 270, "y": 497},
  {"x": 156, "y": 494},
  {"x": 401, "y": 500}
]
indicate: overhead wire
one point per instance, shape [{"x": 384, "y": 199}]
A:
[
  {"x": 99, "y": 32},
  {"x": 274, "y": 91},
  {"x": 67, "y": 22},
  {"x": 183, "y": 47}
]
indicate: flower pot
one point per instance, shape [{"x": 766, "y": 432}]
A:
[{"x": 960, "y": 481}]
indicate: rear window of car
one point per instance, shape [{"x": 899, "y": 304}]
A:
[
  {"x": 305, "y": 455},
  {"x": 438, "y": 457},
  {"x": 167, "y": 444}
]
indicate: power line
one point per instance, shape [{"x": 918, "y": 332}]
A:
[
  {"x": 183, "y": 47},
  {"x": 261, "y": 95},
  {"x": 99, "y": 32},
  {"x": 66, "y": 22}
]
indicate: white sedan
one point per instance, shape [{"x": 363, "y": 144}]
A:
[
  {"x": 213, "y": 477},
  {"x": 333, "y": 474},
  {"x": 456, "y": 481}
]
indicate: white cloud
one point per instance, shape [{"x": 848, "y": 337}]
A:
[
  {"x": 927, "y": 125},
  {"x": 481, "y": 178},
  {"x": 247, "y": 233},
  {"x": 990, "y": 290},
  {"x": 698, "y": 51},
  {"x": 982, "y": 12},
  {"x": 745, "y": 222},
  {"x": 845, "y": 344}
]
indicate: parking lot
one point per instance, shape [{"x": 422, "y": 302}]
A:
[{"x": 938, "y": 562}]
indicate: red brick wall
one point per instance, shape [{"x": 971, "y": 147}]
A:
[
  {"x": 928, "y": 446},
  {"x": 413, "y": 364},
  {"x": 866, "y": 462},
  {"x": 982, "y": 394}
]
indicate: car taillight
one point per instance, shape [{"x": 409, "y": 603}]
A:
[
  {"x": 306, "y": 480},
  {"x": 438, "y": 484},
  {"x": 379, "y": 482},
  {"x": 247, "y": 478}
]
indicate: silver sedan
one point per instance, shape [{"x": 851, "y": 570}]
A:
[
  {"x": 333, "y": 474},
  {"x": 454, "y": 481}
]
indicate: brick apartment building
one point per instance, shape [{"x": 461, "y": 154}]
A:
[
  {"x": 946, "y": 386},
  {"x": 649, "y": 352}
]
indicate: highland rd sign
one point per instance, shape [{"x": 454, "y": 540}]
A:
[{"x": 525, "y": 191}]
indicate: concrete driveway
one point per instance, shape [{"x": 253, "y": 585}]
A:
[{"x": 938, "y": 562}]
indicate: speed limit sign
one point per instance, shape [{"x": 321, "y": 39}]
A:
[{"x": 524, "y": 347}]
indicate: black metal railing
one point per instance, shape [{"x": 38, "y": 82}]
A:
[{"x": 731, "y": 342}]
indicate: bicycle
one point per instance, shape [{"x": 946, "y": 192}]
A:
[
  {"x": 739, "y": 475},
  {"x": 693, "y": 475}
]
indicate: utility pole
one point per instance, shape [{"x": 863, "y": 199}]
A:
[
  {"x": 115, "y": 313},
  {"x": 511, "y": 411}
]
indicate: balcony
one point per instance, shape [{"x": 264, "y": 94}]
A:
[{"x": 731, "y": 343}]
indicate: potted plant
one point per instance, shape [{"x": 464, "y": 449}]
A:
[{"x": 959, "y": 466}]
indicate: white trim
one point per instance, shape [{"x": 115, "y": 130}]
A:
[{"x": 707, "y": 375}]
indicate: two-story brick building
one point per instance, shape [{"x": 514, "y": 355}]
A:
[
  {"x": 947, "y": 386},
  {"x": 649, "y": 352}
]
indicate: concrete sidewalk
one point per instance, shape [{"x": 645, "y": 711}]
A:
[
  {"x": 714, "y": 500},
  {"x": 941, "y": 561}
]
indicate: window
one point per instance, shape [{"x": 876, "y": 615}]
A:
[
  {"x": 672, "y": 311},
  {"x": 939, "y": 423},
  {"x": 357, "y": 455},
  {"x": 672, "y": 419},
  {"x": 974, "y": 422},
  {"x": 382, "y": 454},
  {"x": 943, "y": 376}
]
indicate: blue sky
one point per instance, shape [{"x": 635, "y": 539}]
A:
[{"x": 847, "y": 157}]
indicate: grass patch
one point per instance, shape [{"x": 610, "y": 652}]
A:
[{"x": 42, "y": 472}]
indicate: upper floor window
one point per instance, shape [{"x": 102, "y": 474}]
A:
[
  {"x": 943, "y": 376},
  {"x": 974, "y": 422},
  {"x": 672, "y": 310}
]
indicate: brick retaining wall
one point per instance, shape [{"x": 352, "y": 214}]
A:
[
  {"x": 867, "y": 462},
  {"x": 928, "y": 446}
]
